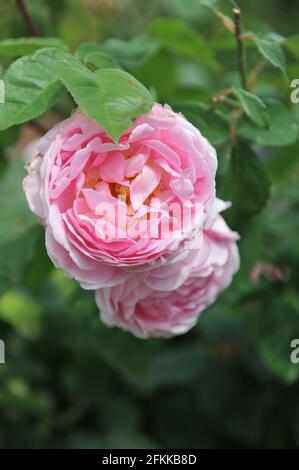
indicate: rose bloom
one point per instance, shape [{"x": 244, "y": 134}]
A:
[
  {"x": 167, "y": 301},
  {"x": 104, "y": 204}
]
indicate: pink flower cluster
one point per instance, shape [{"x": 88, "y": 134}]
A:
[{"x": 137, "y": 221}]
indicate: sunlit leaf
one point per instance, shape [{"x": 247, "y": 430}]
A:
[
  {"x": 31, "y": 87},
  {"x": 110, "y": 96}
]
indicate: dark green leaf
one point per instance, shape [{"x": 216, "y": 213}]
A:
[
  {"x": 292, "y": 43},
  {"x": 273, "y": 52},
  {"x": 132, "y": 53},
  {"x": 180, "y": 38},
  {"x": 16, "y": 218},
  {"x": 246, "y": 185},
  {"x": 160, "y": 73},
  {"x": 253, "y": 106},
  {"x": 15, "y": 255},
  {"x": 283, "y": 128}
]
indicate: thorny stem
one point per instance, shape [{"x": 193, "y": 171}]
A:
[
  {"x": 241, "y": 49},
  {"x": 22, "y": 7}
]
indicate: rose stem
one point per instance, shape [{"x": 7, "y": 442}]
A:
[
  {"x": 241, "y": 49},
  {"x": 21, "y": 4}
]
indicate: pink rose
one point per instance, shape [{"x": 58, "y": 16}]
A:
[
  {"x": 104, "y": 205},
  {"x": 167, "y": 301}
]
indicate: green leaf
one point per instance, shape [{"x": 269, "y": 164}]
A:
[
  {"x": 246, "y": 185},
  {"x": 292, "y": 43},
  {"x": 213, "y": 5},
  {"x": 110, "y": 96},
  {"x": 100, "y": 60},
  {"x": 122, "y": 98},
  {"x": 31, "y": 87},
  {"x": 132, "y": 53},
  {"x": 160, "y": 73},
  {"x": 86, "y": 48},
  {"x": 93, "y": 54},
  {"x": 18, "y": 230},
  {"x": 178, "y": 37},
  {"x": 187, "y": 10},
  {"x": 282, "y": 131},
  {"x": 16, "y": 218},
  {"x": 15, "y": 255},
  {"x": 38, "y": 269},
  {"x": 272, "y": 51},
  {"x": 283, "y": 162},
  {"x": 253, "y": 106},
  {"x": 26, "y": 46},
  {"x": 210, "y": 122}
]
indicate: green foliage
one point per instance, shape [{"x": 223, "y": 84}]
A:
[
  {"x": 71, "y": 382},
  {"x": 292, "y": 43},
  {"x": 29, "y": 91},
  {"x": 22, "y": 220},
  {"x": 272, "y": 51},
  {"x": 253, "y": 107},
  {"x": 246, "y": 185},
  {"x": 282, "y": 130},
  {"x": 26, "y": 46},
  {"x": 94, "y": 55},
  {"x": 132, "y": 53},
  {"x": 178, "y": 37},
  {"x": 15, "y": 255},
  {"x": 111, "y": 96}
]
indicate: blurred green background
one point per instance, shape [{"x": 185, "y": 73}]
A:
[{"x": 69, "y": 381}]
